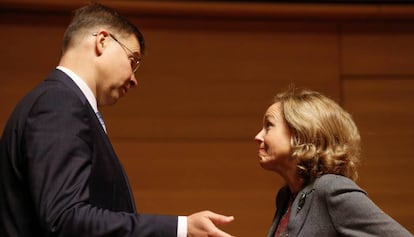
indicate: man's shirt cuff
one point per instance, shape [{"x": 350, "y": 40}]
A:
[{"x": 182, "y": 226}]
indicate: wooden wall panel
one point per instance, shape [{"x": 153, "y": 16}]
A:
[
  {"x": 378, "y": 89},
  {"x": 215, "y": 82},
  {"x": 378, "y": 48},
  {"x": 30, "y": 48},
  {"x": 382, "y": 109},
  {"x": 185, "y": 135}
]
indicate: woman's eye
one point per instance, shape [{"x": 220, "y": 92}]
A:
[{"x": 268, "y": 125}]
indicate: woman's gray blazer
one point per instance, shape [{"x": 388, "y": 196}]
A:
[{"x": 334, "y": 205}]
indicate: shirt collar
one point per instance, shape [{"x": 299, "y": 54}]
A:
[{"x": 82, "y": 86}]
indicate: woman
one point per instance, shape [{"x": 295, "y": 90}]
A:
[{"x": 314, "y": 145}]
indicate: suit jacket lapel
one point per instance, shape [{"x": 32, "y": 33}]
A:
[
  {"x": 57, "y": 75},
  {"x": 60, "y": 76}
]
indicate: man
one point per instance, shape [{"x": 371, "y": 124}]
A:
[{"x": 59, "y": 175}]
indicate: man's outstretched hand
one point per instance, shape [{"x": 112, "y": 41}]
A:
[{"x": 203, "y": 224}]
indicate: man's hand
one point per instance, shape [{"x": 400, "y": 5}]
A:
[{"x": 203, "y": 224}]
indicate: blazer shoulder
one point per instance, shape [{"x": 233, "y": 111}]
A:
[{"x": 333, "y": 183}]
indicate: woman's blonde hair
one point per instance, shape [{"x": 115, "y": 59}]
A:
[{"x": 325, "y": 139}]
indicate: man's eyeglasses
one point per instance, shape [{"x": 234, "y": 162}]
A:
[{"x": 134, "y": 57}]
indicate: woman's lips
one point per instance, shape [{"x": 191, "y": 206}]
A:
[{"x": 262, "y": 151}]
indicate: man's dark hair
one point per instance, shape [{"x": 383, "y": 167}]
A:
[{"x": 94, "y": 15}]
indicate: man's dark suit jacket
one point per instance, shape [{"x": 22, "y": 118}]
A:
[
  {"x": 332, "y": 206},
  {"x": 59, "y": 175}
]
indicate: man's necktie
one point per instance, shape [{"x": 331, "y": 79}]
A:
[{"x": 99, "y": 115}]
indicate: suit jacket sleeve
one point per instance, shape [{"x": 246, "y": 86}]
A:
[
  {"x": 353, "y": 213},
  {"x": 58, "y": 147}
]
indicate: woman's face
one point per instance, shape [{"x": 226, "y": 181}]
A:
[{"x": 274, "y": 141}]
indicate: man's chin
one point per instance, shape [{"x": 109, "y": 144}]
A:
[{"x": 109, "y": 102}]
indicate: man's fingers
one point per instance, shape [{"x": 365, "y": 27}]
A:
[
  {"x": 204, "y": 224},
  {"x": 220, "y": 219},
  {"x": 220, "y": 233}
]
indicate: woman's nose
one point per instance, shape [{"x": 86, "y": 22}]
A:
[{"x": 259, "y": 136}]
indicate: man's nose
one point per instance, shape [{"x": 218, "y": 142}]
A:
[{"x": 133, "y": 82}]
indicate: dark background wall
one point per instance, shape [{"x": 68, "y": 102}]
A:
[{"x": 185, "y": 135}]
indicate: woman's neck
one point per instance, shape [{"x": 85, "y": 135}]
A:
[{"x": 294, "y": 182}]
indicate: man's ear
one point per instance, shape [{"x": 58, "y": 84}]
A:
[{"x": 101, "y": 41}]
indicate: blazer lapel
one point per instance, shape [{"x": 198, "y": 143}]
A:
[
  {"x": 300, "y": 209},
  {"x": 272, "y": 230},
  {"x": 282, "y": 201}
]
